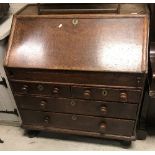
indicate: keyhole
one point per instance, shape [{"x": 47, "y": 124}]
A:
[{"x": 104, "y": 92}]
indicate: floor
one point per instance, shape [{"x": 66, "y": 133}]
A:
[{"x": 14, "y": 138}]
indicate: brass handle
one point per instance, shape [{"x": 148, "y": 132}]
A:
[
  {"x": 123, "y": 96},
  {"x": 103, "y": 109},
  {"x": 56, "y": 90},
  {"x": 46, "y": 119},
  {"x": 25, "y": 89},
  {"x": 87, "y": 93},
  {"x": 102, "y": 127},
  {"x": 43, "y": 104},
  {"x": 40, "y": 87}
]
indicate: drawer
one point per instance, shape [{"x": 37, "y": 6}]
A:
[
  {"x": 48, "y": 89},
  {"x": 118, "y": 79},
  {"x": 79, "y": 122},
  {"x": 94, "y": 108},
  {"x": 106, "y": 94}
]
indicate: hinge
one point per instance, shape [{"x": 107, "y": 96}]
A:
[{"x": 3, "y": 82}]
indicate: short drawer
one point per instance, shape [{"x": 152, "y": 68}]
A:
[
  {"x": 48, "y": 89},
  {"x": 106, "y": 94},
  {"x": 79, "y": 122},
  {"x": 85, "y": 107}
]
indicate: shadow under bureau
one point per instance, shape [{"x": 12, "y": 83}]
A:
[{"x": 79, "y": 73}]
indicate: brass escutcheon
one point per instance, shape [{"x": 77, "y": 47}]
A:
[
  {"x": 73, "y": 103},
  {"x": 75, "y": 22},
  {"x": 104, "y": 92},
  {"x": 74, "y": 117},
  {"x": 40, "y": 87}
]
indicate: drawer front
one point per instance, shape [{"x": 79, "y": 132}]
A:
[
  {"x": 79, "y": 122},
  {"x": 94, "y": 108},
  {"x": 95, "y": 78},
  {"x": 106, "y": 94},
  {"x": 55, "y": 90}
]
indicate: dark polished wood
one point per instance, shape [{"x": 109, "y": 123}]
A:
[
  {"x": 63, "y": 105},
  {"x": 115, "y": 79},
  {"x": 94, "y": 32},
  {"x": 61, "y": 90},
  {"x": 57, "y": 90},
  {"x": 79, "y": 72},
  {"x": 107, "y": 94},
  {"x": 79, "y": 122}
]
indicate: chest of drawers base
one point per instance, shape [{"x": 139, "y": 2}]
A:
[
  {"x": 78, "y": 133},
  {"x": 82, "y": 109}
]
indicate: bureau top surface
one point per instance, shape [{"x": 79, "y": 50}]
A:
[{"x": 84, "y": 42}]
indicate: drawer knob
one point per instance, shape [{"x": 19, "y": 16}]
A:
[
  {"x": 103, "y": 109},
  {"x": 123, "y": 96},
  {"x": 56, "y": 90},
  {"x": 24, "y": 89},
  {"x": 87, "y": 93},
  {"x": 73, "y": 103},
  {"x": 40, "y": 87},
  {"x": 43, "y": 104},
  {"x": 46, "y": 119},
  {"x": 102, "y": 127}
]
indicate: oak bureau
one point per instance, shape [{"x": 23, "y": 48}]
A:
[{"x": 79, "y": 69}]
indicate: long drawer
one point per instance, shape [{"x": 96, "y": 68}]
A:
[
  {"x": 120, "y": 79},
  {"x": 79, "y": 122},
  {"x": 85, "y": 107},
  {"x": 61, "y": 90}
]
